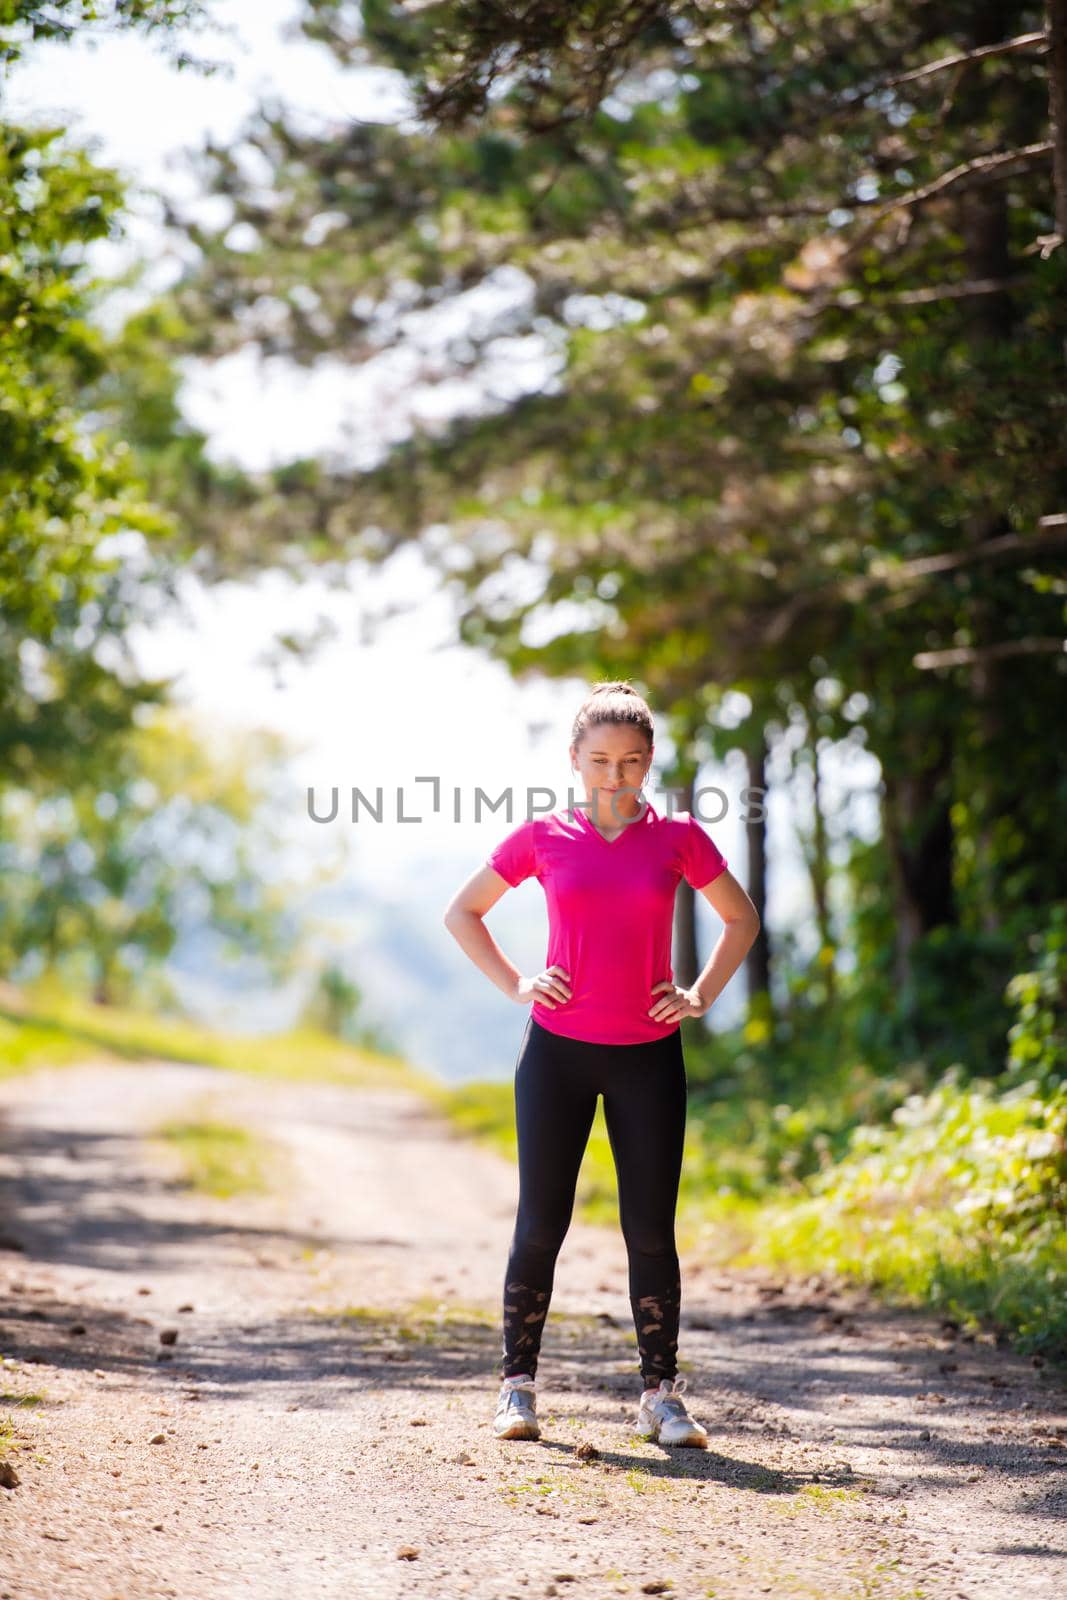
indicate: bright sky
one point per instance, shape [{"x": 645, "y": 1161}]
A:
[{"x": 408, "y": 702}]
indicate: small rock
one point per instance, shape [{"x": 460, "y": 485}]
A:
[
  {"x": 158, "y": 1438},
  {"x": 77, "y": 1327},
  {"x": 9, "y": 1478},
  {"x": 924, "y": 1433},
  {"x": 144, "y": 1291},
  {"x": 185, "y": 1308},
  {"x": 157, "y": 1527},
  {"x": 418, "y": 1422},
  {"x": 407, "y": 1552},
  {"x": 168, "y": 1336},
  {"x": 655, "y": 1586}
]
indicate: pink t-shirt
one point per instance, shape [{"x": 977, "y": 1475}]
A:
[{"x": 610, "y": 912}]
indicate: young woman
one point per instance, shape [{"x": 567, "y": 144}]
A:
[{"x": 605, "y": 1020}]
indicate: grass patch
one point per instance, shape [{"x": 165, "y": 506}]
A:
[
  {"x": 221, "y": 1158},
  {"x": 819, "y": 1497},
  {"x": 427, "y": 1320},
  {"x": 552, "y": 1485},
  {"x": 41, "y": 1025}
]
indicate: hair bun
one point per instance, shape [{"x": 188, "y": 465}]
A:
[{"x": 613, "y": 701}]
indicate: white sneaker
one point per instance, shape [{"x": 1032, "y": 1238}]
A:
[
  {"x": 663, "y": 1418},
  {"x": 516, "y": 1411}
]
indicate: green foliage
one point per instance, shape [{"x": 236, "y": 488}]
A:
[
  {"x": 335, "y": 1006},
  {"x": 221, "y": 1158},
  {"x": 24, "y": 23},
  {"x": 961, "y": 1203},
  {"x": 64, "y": 489},
  {"x": 168, "y": 837},
  {"x": 1038, "y": 1039}
]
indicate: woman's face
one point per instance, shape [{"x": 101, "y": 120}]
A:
[{"x": 613, "y": 760}]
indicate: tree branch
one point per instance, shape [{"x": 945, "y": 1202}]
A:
[
  {"x": 855, "y": 588},
  {"x": 981, "y": 164},
  {"x": 1022, "y": 41},
  {"x": 965, "y": 655}
]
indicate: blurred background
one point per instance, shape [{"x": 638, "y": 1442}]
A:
[{"x": 374, "y": 377}]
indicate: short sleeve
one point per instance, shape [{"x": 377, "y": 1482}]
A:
[
  {"x": 703, "y": 861},
  {"x": 515, "y": 856}
]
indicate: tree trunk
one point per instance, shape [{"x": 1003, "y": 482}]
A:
[
  {"x": 758, "y": 960},
  {"x": 917, "y": 825},
  {"x": 103, "y": 989},
  {"x": 985, "y": 230},
  {"x": 686, "y": 960},
  {"x": 820, "y": 877}
]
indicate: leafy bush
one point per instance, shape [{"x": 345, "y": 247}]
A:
[{"x": 959, "y": 1198}]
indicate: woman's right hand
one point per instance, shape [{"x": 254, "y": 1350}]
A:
[{"x": 547, "y": 988}]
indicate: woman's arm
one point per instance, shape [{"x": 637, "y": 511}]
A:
[
  {"x": 464, "y": 920},
  {"x": 742, "y": 923}
]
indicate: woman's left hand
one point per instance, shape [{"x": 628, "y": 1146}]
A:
[{"x": 676, "y": 1004}]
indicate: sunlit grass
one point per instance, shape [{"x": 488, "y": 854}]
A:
[
  {"x": 426, "y": 1320},
  {"x": 41, "y": 1025},
  {"x": 220, "y": 1158}
]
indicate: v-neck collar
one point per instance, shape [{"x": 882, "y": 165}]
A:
[{"x": 583, "y": 816}]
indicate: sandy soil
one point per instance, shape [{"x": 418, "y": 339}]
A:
[{"x": 298, "y": 1450}]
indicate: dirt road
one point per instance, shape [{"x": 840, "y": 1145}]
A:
[{"x": 304, "y": 1451}]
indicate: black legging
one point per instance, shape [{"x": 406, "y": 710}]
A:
[{"x": 557, "y": 1081}]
